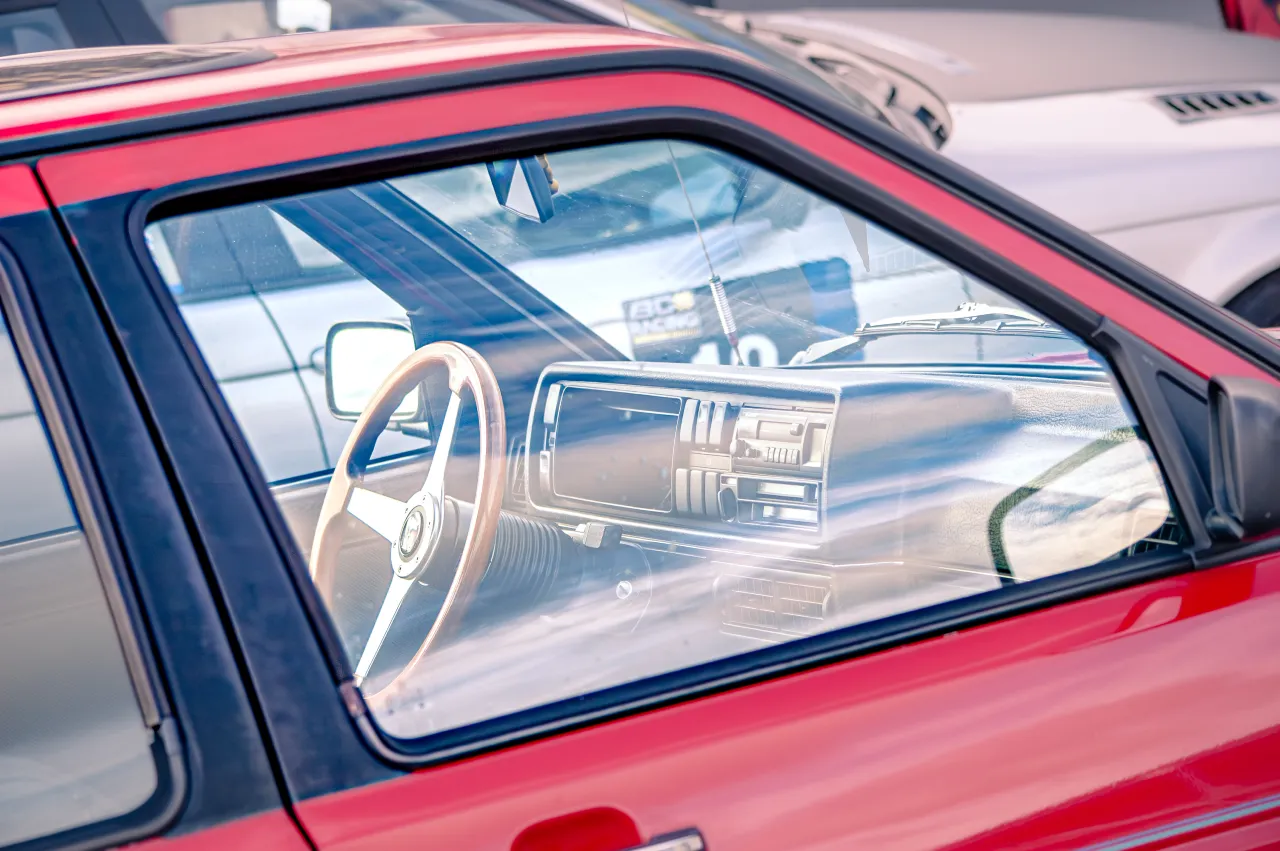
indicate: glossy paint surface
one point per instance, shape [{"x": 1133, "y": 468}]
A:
[
  {"x": 83, "y": 176},
  {"x": 1037, "y": 732},
  {"x": 19, "y": 192}
]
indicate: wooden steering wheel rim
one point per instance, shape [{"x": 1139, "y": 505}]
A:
[{"x": 466, "y": 369}]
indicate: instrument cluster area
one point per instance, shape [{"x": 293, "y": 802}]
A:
[{"x": 687, "y": 451}]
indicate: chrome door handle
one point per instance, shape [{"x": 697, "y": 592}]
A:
[{"x": 685, "y": 840}]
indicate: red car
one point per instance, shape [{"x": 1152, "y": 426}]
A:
[
  {"x": 1261, "y": 17},
  {"x": 497, "y": 437}
]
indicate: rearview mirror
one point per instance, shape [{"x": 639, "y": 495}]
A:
[
  {"x": 358, "y": 356},
  {"x": 1244, "y": 461},
  {"x": 524, "y": 187}
]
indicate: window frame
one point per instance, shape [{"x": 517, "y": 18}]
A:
[
  {"x": 55, "y": 410},
  {"x": 758, "y": 147},
  {"x": 352, "y": 167}
]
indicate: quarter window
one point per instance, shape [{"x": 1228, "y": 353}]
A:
[
  {"x": 735, "y": 414},
  {"x": 74, "y": 749}
]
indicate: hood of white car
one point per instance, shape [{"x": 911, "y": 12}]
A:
[
  {"x": 968, "y": 56},
  {"x": 1065, "y": 110},
  {"x": 1113, "y": 160}
]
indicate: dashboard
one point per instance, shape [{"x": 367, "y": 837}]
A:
[{"x": 766, "y": 456}]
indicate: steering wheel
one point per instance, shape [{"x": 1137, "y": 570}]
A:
[{"x": 416, "y": 529}]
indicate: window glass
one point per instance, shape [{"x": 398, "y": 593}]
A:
[
  {"x": 204, "y": 21},
  {"x": 73, "y": 746},
  {"x": 32, "y": 31},
  {"x": 735, "y": 414}
]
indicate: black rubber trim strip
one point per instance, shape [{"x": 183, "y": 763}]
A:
[
  {"x": 54, "y": 408},
  {"x": 1088, "y": 251},
  {"x": 1139, "y": 366}
]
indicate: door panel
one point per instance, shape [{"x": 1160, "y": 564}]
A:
[{"x": 1022, "y": 734}]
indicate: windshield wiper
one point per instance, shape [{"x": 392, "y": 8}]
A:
[{"x": 970, "y": 318}]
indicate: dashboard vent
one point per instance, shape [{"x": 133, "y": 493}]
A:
[{"x": 1199, "y": 106}]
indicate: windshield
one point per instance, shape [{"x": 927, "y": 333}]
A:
[
  {"x": 644, "y": 233},
  {"x": 634, "y": 246}
]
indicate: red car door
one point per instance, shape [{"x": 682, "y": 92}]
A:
[{"x": 1060, "y": 698}]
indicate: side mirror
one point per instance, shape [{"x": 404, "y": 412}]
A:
[
  {"x": 524, "y": 187},
  {"x": 358, "y": 356},
  {"x": 1244, "y": 461},
  {"x": 1099, "y": 501}
]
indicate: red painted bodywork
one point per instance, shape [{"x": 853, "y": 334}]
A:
[
  {"x": 1073, "y": 726},
  {"x": 1037, "y": 732},
  {"x": 322, "y": 61},
  {"x": 82, "y": 176},
  {"x": 1260, "y": 17},
  {"x": 19, "y": 191}
]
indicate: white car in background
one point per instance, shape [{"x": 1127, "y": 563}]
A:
[{"x": 1161, "y": 139}]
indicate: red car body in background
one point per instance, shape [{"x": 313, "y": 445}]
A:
[{"x": 1261, "y": 17}]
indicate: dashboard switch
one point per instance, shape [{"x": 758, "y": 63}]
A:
[
  {"x": 687, "y": 417},
  {"x": 695, "y": 491},
  {"x": 704, "y": 423},
  {"x": 716, "y": 437},
  {"x": 682, "y": 491},
  {"x": 710, "y": 488},
  {"x": 599, "y": 536}
]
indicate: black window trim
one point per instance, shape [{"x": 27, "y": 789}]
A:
[
  {"x": 56, "y": 413},
  {"x": 877, "y": 205}
]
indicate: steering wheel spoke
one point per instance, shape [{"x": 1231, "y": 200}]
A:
[
  {"x": 434, "y": 483},
  {"x": 382, "y": 514},
  {"x": 396, "y": 592}
]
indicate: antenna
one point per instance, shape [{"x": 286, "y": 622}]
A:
[{"x": 718, "y": 295}]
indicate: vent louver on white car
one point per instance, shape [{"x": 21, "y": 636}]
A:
[{"x": 1199, "y": 106}]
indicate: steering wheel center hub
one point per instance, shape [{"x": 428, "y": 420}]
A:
[
  {"x": 411, "y": 533},
  {"x": 417, "y": 538}
]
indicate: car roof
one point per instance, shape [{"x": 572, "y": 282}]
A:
[{"x": 68, "y": 90}]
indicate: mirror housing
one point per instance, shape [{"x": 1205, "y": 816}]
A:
[
  {"x": 524, "y": 187},
  {"x": 358, "y": 356},
  {"x": 1244, "y": 457}
]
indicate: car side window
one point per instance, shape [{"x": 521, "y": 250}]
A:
[
  {"x": 74, "y": 748},
  {"x": 732, "y": 413}
]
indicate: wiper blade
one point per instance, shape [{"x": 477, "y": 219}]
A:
[{"x": 970, "y": 317}]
